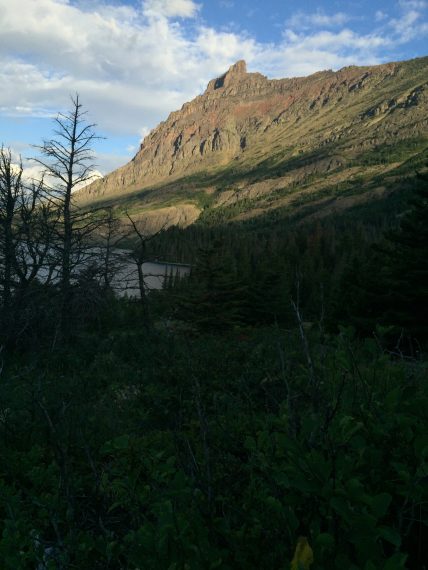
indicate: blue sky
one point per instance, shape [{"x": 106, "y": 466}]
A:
[{"x": 134, "y": 61}]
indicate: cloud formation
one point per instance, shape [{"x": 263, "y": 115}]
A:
[
  {"x": 305, "y": 20},
  {"x": 413, "y": 4},
  {"x": 172, "y": 8},
  {"x": 133, "y": 64}
]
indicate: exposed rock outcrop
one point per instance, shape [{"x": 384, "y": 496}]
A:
[{"x": 245, "y": 119}]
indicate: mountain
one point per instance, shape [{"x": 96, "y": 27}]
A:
[{"x": 250, "y": 144}]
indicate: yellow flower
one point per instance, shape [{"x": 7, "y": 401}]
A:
[{"x": 303, "y": 556}]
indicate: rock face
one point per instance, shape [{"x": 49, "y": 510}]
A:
[{"x": 245, "y": 120}]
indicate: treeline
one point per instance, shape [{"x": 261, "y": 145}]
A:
[{"x": 362, "y": 268}]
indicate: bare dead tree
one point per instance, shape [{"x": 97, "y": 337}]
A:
[
  {"x": 140, "y": 255},
  {"x": 67, "y": 161},
  {"x": 111, "y": 234},
  {"x": 295, "y": 304},
  {"x": 10, "y": 193},
  {"x": 24, "y": 241}
]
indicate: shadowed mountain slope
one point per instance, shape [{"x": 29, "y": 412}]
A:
[{"x": 250, "y": 144}]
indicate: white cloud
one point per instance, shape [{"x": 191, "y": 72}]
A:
[
  {"x": 380, "y": 16},
  {"x": 411, "y": 24},
  {"x": 304, "y": 53},
  {"x": 337, "y": 42},
  {"x": 413, "y": 4},
  {"x": 117, "y": 59},
  {"x": 172, "y": 8},
  {"x": 220, "y": 48},
  {"x": 303, "y": 20},
  {"x": 405, "y": 25},
  {"x": 143, "y": 132},
  {"x": 133, "y": 64},
  {"x": 95, "y": 175}
]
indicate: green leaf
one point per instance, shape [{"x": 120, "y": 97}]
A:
[
  {"x": 390, "y": 534},
  {"x": 121, "y": 442},
  {"x": 325, "y": 540},
  {"x": 274, "y": 504},
  {"x": 116, "y": 444},
  {"x": 396, "y": 562},
  {"x": 421, "y": 445},
  {"x": 379, "y": 504},
  {"x": 355, "y": 489},
  {"x": 392, "y": 399},
  {"x": 342, "y": 508}
]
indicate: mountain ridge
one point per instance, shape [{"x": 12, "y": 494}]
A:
[{"x": 246, "y": 129}]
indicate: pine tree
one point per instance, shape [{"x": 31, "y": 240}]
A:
[
  {"x": 216, "y": 297},
  {"x": 406, "y": 267},
  {"x": 393, "y": 289}
]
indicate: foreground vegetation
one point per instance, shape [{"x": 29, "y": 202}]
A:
[
  {"x": 129, "y": 450},
  {"x": 268, "y": 412}
]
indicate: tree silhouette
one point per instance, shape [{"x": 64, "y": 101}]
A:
[
  {"x": 390, "y": 288},
  {"x": 406, "y": 266},
  {"x": 25, "y": 237},
  {"x": 67, "y": 161},
  {"x": 216, "y": 299}
]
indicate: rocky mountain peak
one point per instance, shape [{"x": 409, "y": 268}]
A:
[
  {"x": 296, "y": 127},
  {"x": 234, "y": 74}
]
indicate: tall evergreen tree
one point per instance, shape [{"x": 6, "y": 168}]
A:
[
  {"x": 406, "y": 266},
  {"x": 392, "y": 288},
  {"x": 216, "y": 298}
]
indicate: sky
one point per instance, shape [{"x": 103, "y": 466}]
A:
[{"x": 132, "y": 62}]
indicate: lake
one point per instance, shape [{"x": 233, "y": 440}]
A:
[
  {"x": 124, "y": 270},
  {"x": 125, "y": 281}
]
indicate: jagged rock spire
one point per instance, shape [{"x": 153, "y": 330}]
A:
[
  {"x": 233, "y": 74},
  {"x": 245, "y": 120}
]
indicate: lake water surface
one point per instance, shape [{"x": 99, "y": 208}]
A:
[{"x": 125, "y": 281}]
